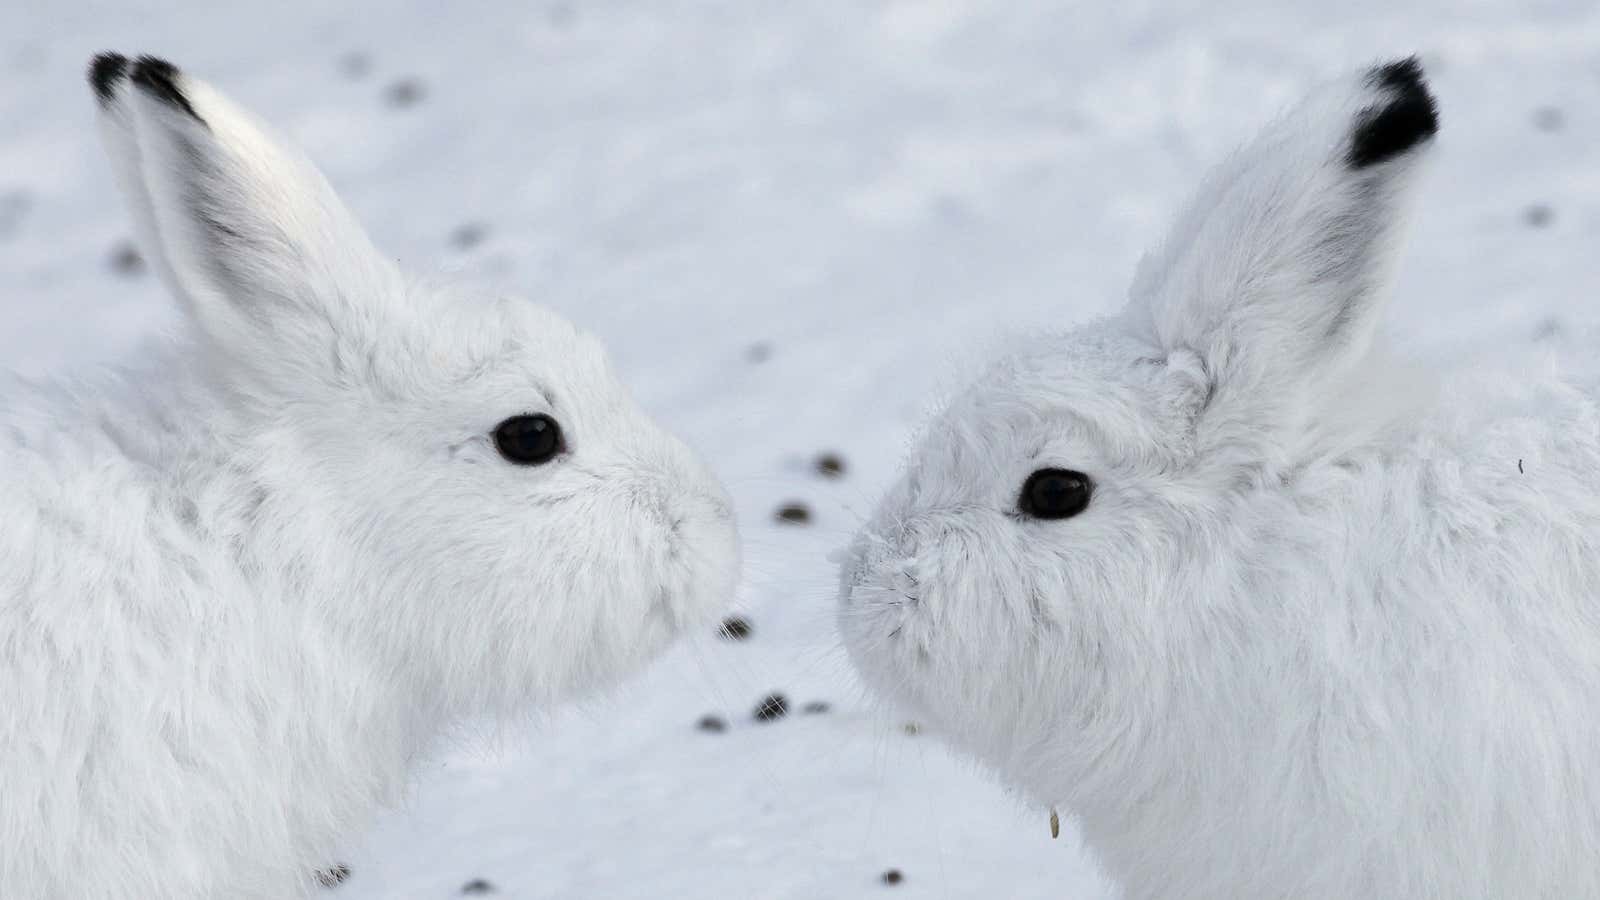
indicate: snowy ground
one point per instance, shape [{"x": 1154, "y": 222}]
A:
[{"x": 788, "y": 220}]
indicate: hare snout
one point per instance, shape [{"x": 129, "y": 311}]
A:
[
  {"x": 881, "y": 592},
  {"x": 691, "y": 521}
]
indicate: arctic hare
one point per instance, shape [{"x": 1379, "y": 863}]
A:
[
  {"x": 244, "y": 580},
  {"x": 1272, "y": 616}
]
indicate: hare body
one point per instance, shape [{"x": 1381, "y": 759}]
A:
[
  {"x": 246, "y": 580},
  {"x": 1273, "y": 615}
]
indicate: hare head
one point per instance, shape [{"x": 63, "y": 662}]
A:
[
  {"x": 1043, "y": 579},
  {"x": 459, "y": 479}
]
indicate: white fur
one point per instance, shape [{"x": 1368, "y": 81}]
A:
[
  {"x": 245, "y": 579},
  {"x": 1316, "y": 635}
]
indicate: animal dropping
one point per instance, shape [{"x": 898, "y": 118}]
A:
[
  {"x": 793, "y": 513},
  {"x": 125, "y": 260},
  {"x": 404, "y": 93},
  {"x": 772, "y": 708},
  {"x": 830, "y": 465},
  {"x": 333, "y": 877},
  {"x": 735, "y": 628}
]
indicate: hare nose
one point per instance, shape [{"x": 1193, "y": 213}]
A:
[{"x": 852, "y": 562}]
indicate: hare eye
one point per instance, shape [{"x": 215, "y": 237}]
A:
[
  {"x": 529, "y": 440},
  {"x": 1055, "y": 494}
]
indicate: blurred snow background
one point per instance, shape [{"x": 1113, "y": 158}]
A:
[{"x": 791, "y": 222}]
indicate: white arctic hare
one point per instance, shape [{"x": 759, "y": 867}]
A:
[
  {"x": 242, "y": 584},
  {"x": 1270, "y": 622}
]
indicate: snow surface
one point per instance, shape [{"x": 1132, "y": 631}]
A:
[{"x": 875, "y": 193}]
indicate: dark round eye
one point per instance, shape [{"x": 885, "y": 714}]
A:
[
  {"x": 529, "y": 440},
  {"x": 1055, "y": 494}
]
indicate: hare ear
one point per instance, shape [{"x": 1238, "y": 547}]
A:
[
  {"x": 1276, "y": 273},
  {"x": 245, "y": 232}
]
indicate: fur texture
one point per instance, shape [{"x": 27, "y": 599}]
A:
[
  {"x": 1328, "y": 628},
  {"x": 244, "y": 580}
]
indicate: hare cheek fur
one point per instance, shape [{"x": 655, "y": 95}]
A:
[
  {"x": 1327, "y": 627},
  {"x": 246, "y": 579}
]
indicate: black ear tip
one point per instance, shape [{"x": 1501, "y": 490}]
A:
[
  {"x": 159, "y": 78},
  {"x": 156, "y": 74},
  {"x": 105, "y": 70},
  {"x": 1405, "y": 116},
  {"x": 1400, "y": 75}
]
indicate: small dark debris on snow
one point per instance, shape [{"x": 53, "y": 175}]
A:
[
  {"x": 912, "y": 729},
  {"x": 893, "y": 877},
  {"x": 125, "y": 259},
  {"x": 1549, "y": 328},
  {"x": 815, "y": 708},
  {"x": 830, "y": 465},
  {"x": 1538, "y": 215},
  {"x": 562, "y": 14},
  {"x": 759, "y": 352},
  {"x": 403, "y": 93},
  {"x": 469, "y": 235},
  {"x": 477, "y": 886},
  {"x": 712, "y": 724},
  {"x": 1519, "y": 468},
  {"x": 355, "y": 65},
  {"x": 13, "y": 206},
  {"x": 950, "y": 208},
  {"x": 333, "y": 877},
  {"x": 735, "y": 628},
  {"x": 1549, "y": 118},
  {"x": 794, "y": 513},
  {"x": 772, "y": 708}
]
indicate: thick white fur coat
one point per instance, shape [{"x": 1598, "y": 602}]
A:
[
  {"x": 1329, "y": 627},
  {"x": 245, "y": 579}
]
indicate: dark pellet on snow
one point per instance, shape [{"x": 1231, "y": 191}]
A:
[
  {"x": 1538, "y": 215},
  {"x": 772, "y": 708},
  {"x": 712, "y": 724},
  {"x": 794, "y": 513},
  {"x": 13, "y": 206},
  {"x": 952, "y": 209},
  {"x": 468, "y": 236},
  {"x": 125, "y": 260},
  {"x": 759, "y": 352},
  {"x": 403, "y": 93},
  {"x": 333, "y": 877},
  {"x": 830, "y": 465},
  {"x": 893, "y": 877},
  {"x": 477, "y": 886},
  {"x": 912, "y": 729},
  {"x": 1548, "y": 329},
  {"x": 815, "y": 708},
  {"x": 735, "y": 628},
  {"x": 1549, "y": 118},
  {"x": 355, "y": 65}
]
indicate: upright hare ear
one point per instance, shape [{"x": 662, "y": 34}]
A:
[
  {"x": 1276, "y": 273},
  {"x": 245, "y": 232}
]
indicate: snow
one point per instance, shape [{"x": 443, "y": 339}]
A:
[{"x": 876, "y": 191}]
